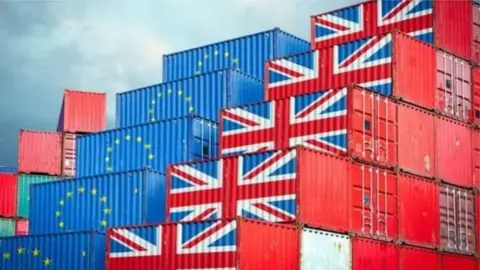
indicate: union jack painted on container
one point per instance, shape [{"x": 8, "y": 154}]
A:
[
  {"x": 260, "y": 186},
  {"x": 426, "y": 20}
]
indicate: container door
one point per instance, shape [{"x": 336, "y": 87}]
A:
[
  {"x": 361, "y": 142},
  {"x": 448, "y": 216},
  {"x": 386, "y": 127},
  {"x": 336, "y": 250},
  {"x": 466, "y": 223},
  {"x": 68, "y": 155},
  {"x": 476, "y": 95}
]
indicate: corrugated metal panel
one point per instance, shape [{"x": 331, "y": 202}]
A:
[
  {"x": 476, "y": 95},
  {"x": 115, "y": 199},
  {"x": 453, "y": 162},
  {"x": 246, "y": 54},
  {"x": 8, "y": 194},
  {"x": 476, "y": 32},
  {"x": 23, "y": 195},
  {"x": 69, "y": 154},
  {"x": 389, "y": 65},
  {"x": 22, "y": 227},
  {"x": 154, "y": 145},
  {"x": 454, "y": 87},
  {"x": 418, "y": 213},
  {"x": 476, "y": 158},
  {"x": 374, "y": 255},
  {"x": 6, "y": 169},
  {"x": 79, "y": 250},
  {"x": 416, "y": 149},
  {"x": 82, "y": 112},
  {"x": 455, "y": 262},
  {"x": 457, "y": 219},
  {"x": 7, "y": 227},
  {"x": 223, "y": 244},
  {"x": 40, "y": 152},
  {"x": 325, "y": 250},
  {"x": 203, "y": 95},
  {"x": 446, "y": 24},
  {"x": 414, "y": 258}
]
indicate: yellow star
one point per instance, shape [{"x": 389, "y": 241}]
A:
[
  {"x": 61, "y": 224},
  {"x": 58, "y": 213},
  {"x": 107, "y": 159},
  {"x": 61, "y": 202},
  {"x": 180, "y": 92},
  {"x": 188, "y": 99},
  {"x": 216, "y": 52},
  {"x": 103, "y": 223},
  {"x": 109, "y": 149},
  {"x": 170, "y": 91},
  {"x": 153, "y": 119},
  {"x": 69, "y": 194},
  {"x": 94, "y": 191},
  {"x": 197, "y": 72},
  {"x": 206, "y": 56},
  {"x": 36, "y": 252},
  {"x": 227, "y": 54},
  {"x": 153, "y": 101},
  {"x": 84, "y": 253},
  {"x": 159, "y": 94},
  {"x": 200, "y": 63},
  {"x": 107, "y": 211},
  {"x": 190, "y": 109},
  {"x": 150, "y": 111},
  {"x": 103, "y": 199},
  {"x": 127, "y": 137},
  {"x": 148, "y": 146},
  {"x": 21, "y": 250},
  {"x": 81, "y": 189},
  {"x": 117, "y": 141},
  {"x": 47, "y": 261},
  {"x": 109, "y": 169},
  {"x": 139, "y": 139},
  {"x": 151, "y": 156},
  {"x": 135, "y": 190},
  {"x": 235, "y": 60},
  {"x": 6, "y": 256}
]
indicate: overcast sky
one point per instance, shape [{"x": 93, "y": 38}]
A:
[{"x": 113, "y": 46}]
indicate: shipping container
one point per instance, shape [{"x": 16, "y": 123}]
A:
[
  {"x": 68, "y": 154},
  {"x": 82, "y": 112},
  {"x": 418, "y": 212},
  {"x": 388, "y": 64},
  {"x": 413, "y": 258},
  {"x": 456, "y": 262},
  {"x": 347, "y": 121},
  {"x": 22, "y": 227},
  {"x": 476, "y": 158},
  {"x": 374, "y": 255},
  {"x": 8, "y": 194},
  {"x": 75, "y": 250},
  {"x": 203, "y": 95},
  {"x": 23, "y": 195},
  {"x": 6, "y": 169},
  {"x": 289, "y": 185},
  {"x": 152, "y": 145},
  {"x": 476, "y": 95},
  {"x": 97, "y": 202},
  {"x": 7, "y": 227},
  {"x": 247, "y": 54},
  {"x": 453, "y": 141},
  {"x": 457, "y": 219},
  {"x": 226, "y": 244},
  {"x": 40, "y": 152},
  {"x": 446, "y": 24}
]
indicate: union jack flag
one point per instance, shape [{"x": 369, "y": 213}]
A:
[
  {"x": 260, "y": 186},
  {"x": 366, "y": 62},
  {"x": 317, "y": 120},
  {"x": 374, "y": 18}
]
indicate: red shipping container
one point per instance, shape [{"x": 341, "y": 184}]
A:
[
  {"x": 82, "y": 112},
  {"x": 412, "y": 258},
  {"x": 388, "y": 64},
  {"x": 476, "y": 158},
  {"x": 456, "y": 262},
  {"x": 223, "y": 244},
  {"x": 446, "y": 24},
  {"x": 22, "y": 227},
  {"x": 453, "y": 152},
  {"x": 347, "y": 121},
  {"x": 374, "y": 255},
  {"x": 296, "y": 184},
  {"x": 68, "y": 154},
  {"x": 40, "y": 152},
  {"x": 457, "y": 219},
  {"x": 418, "y": 212},
  {"x": 8, "y": 194}
]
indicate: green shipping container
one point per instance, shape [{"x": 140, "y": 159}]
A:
[
  {"x": 23, "y": 197},
  {"x": 7, "y": 227}
]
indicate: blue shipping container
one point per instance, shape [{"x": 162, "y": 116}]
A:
[
  {"x": 203, "y": 95},
  {"x": 97, "y": 202},
  {"x": 153, "y": 145},
  {"x": 5, "y": 169},
  {"x": 247, "y": 54},
  {"x": 74, "y": 251}
]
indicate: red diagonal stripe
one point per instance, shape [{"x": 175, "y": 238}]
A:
[
  {"x": 120, "y": 238},
  {"x": 318, "y": 126},
  {"x": 250, "y": 137},
  {"x": 205, "y": 235},
  {"x": 318, "y": 103},
  {"x": 324, "y": 146},
  {"x": 285, "y": 70},
  {"x": 370, "y": 44},
  {"x": 276, "y": 157},
  {"x": 397, "y": 9},
  {"x": 331, "y": 24},
  {"x": 237, "y": 118},
  {"x": 272, "y": 211},
  {"x": 204, "y": 215},
  {"x": 189, "y": 177}
]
